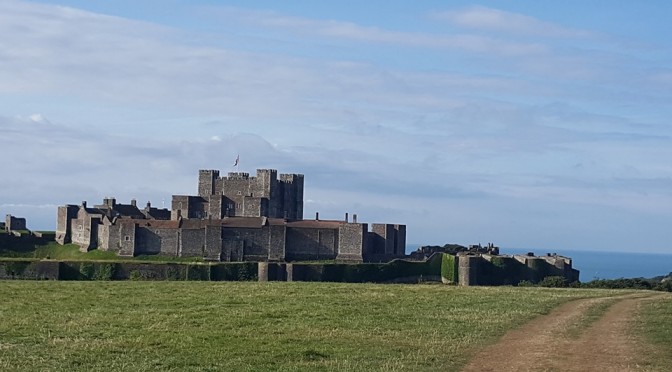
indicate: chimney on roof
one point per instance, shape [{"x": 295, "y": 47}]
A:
[
  {"x": 84, "y": 204},
  {"x": 354, "y": 218},
  {"x": 317, "y": 216},
  {"x": 134, "y": 202},
  {"x": 110, "y": 202},
  {"x": 346, "y": 217},
  {"x": 149, "y": 205}
]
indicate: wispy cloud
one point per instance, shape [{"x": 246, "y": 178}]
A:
[
  {"x": 490, "y": 19},
  {"x": 494, "y": 126}
]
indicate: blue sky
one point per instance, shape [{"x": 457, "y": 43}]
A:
[{"x": 531, "y": 124}]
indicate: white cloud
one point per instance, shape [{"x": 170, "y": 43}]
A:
[
  {"x": 456, "y": 155},
  {"x": 489, "y": 19}
]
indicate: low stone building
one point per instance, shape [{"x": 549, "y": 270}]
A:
[{"x": 234, "y": 218}]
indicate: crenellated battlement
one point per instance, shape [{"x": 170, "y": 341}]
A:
[
  {"x": 235, "y": 194},
  {"x": 238, "y": 176},
  {"x": 291, "y": 177}
]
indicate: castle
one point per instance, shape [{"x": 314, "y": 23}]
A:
[{"x": 234, "y": 218}]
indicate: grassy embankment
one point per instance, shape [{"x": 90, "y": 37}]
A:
[
  {"x": 257, "y": 326},
  {"x": 54, "y": 251}
]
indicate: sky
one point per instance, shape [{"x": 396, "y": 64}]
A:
[{"x": 529, "y": 124}]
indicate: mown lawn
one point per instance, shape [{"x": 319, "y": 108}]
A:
[{"x": 257, "y": 326}]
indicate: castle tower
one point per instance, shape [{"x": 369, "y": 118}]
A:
[
  {"x": 292, "y": 200},
  {"x": 207, "y": 179},
  {"x": 267, "y": 187}
]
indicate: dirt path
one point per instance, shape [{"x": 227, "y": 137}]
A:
[{"x": 545, "y": 345}]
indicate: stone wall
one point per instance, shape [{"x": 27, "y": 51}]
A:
[
  {"x": 104, "y": 237},
  {"x": 85, "y": 230},
  {"x": 277, "y": 243},
  {"x": 486, "y": 269},
  {"x": 292, "y": 190},
  {"x": 352, "y": 242},
  {"x": 64, "y": 216},
  {"x": 311, "y": 244},
  {"x": 242, "y": 195},
  {"x": 213, "y": 243},
  {"x": 206, "y": 182},
  {"x": 468, "y": 269},
  {"x": 382, "y": 239},
  {"x": 192, "y": 243},
  {"x": 254, "y": 206},
  {"x": 14, "y": 223},
  {"x": 400, "y": 241},
  {"x": 148, "y": 241},
  {"x": 186, "y": 206},
  {"x": 126, "y": 239},
  {"x": 255, "y": 243}
]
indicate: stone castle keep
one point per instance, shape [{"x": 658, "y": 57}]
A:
[{"x": 234, "y": 218}]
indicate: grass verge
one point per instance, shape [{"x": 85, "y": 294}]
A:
[
  {"x": 258, "y": 326},
  {"x": 654, "y": 324},
  {"x": 54, "y": 251}
]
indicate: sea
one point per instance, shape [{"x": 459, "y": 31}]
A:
[{"x": 605, "y": 265}]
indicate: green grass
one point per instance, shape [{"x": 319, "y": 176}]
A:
[
  {"x": 164, "y": 258},
  {"x": 593, "y": 314},
  {"x": 257, "y": 326},
  {"x": 54, "y": 251},
  {"x": 655, "y": 325}
]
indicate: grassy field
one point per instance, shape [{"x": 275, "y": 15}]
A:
[
  {"x": 257, "y": 326},
  {"x": 655, "y": 325}
]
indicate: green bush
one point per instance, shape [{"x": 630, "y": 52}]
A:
[
  {"x": 15, "y": 268},
  {"x": 198, "y": 272},
  {"x": 104, "y": 271},
  {"x": 247, "y": 271},
  {"x": 86, "y": 270},
  {"x": 636, "y": 283},
  {"x": 554, "y": 282},
  {"x": 135, "y": 275},
  {"x": 665, "y": 286},
  {"x": 449, "y": 268},
  {"x": 173, "y": 273}
]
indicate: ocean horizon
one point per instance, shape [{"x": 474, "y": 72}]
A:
[{"x": 604, "y": 265}]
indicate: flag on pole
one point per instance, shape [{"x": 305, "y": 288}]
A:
[{"x": 235, "y": 164}]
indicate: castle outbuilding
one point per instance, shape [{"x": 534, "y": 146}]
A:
[{"x": 234, "y": 218}]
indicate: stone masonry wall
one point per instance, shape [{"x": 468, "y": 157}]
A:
[
  {"x": 64, "y": 217},
  {"x": 14, "y": 223},
  {"x": 126, "y": 238},
  {"x": 383, "y": 238},
  {"x": 311, "y": 244},
  {"x": 213, "y": 243},
  {"x": 352, "y": 241},
  {"x": 400, "y": 248},
  {"x": 192, "y": 242},
  {"x": 148, "y": 241},
  {"x": 255, "y": 243},
  {"x": 206, "y": 182},
  {"x": 277, "y": 243}
]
